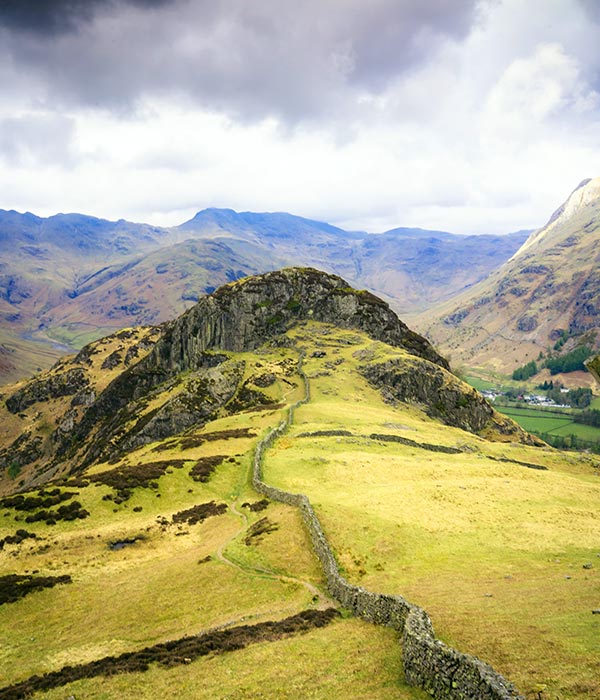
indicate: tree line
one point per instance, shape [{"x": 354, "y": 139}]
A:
[{"x": 570, "y": 362}]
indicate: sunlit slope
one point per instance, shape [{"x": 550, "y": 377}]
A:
[
  {"x": 497, "y": 550},
  {"x": 126, "y": 497},
  {"x": 246, "y": 561},
  {"x": 550, "y": 287},
  {"x": 145, "y": 384}
]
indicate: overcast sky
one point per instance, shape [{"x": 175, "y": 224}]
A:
[{"x": 473, "y": 117}]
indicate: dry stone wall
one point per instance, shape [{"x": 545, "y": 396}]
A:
[{"x": 443, "y": 672}]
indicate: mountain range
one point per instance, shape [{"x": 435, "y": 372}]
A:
[
  {"x": 68, "y": 279},
  {"x": 284, "y": 492}
]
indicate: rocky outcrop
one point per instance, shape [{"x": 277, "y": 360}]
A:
[
  {"x": 441, "y": 395},
  {"x": 24, "y": 450},
  {"x": 593, "y": 365},
  {"x": 238, "y": 317},
  {"x": 196, "y": 404},
  {"x": 586, "y": 314},
  {"x": 120, "y": 419},
  {"x": 49, "y": 387},
  {"x": 527, "y": 323},
  {"x": 244, "y": 315}
]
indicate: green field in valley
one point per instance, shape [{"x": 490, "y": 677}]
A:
[{"x": 554, "y": 423}]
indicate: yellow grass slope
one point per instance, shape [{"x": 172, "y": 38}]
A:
[
  {"x": 498, "y": 552},
  {"x": 491, "y": 546},
  {"x": 169, "y": 578}
]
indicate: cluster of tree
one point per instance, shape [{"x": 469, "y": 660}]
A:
[
  {"x": 570, "y": 442},
  {"x": 571, "y": 362},
  {"x": 545, "y": 385},
  {"x": 590, "y": 417},
  {"x": 576, "y": 398},
  {"x": 526, "y": 371},
  {"x": 579, "y": 398},
  {"x": 564, "y": 336}
]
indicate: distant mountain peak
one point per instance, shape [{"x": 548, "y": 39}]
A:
[
  {"x": 549, "y": 288},
  {"x": 585, "y": 195},
  {"x": 258, "y": 224}
]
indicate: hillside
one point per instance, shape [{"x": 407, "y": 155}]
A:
[
  {"x": 70, "y": 279},
  {"x": 547, "y": 291},
  {"x": 137, "y": 557}
]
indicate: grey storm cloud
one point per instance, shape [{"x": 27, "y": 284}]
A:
[
  {"x": 293, "y": 60},
  {"x": 56, "y": 16}
]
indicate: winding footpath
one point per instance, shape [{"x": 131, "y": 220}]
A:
[
  {"x": 446, "y": 674},
  {"x": 320, "y": 600}
]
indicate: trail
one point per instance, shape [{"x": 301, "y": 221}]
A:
[{"x": 320, "y": 600}]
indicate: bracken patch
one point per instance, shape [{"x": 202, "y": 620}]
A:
[
  {"x": 199, "y": 513},
  {"x": 257, "y": 506},
  {"x": 175, "y": 652},
  {"x": 44, "y": 499},
  {"x": 16, "y": 586},
  {"x": 126, "y": 478},
  {"x": 189, "y": 442},
  {"x": 72, "y": 511},
  {"x": 205, "y": 466},
  {"x": 17, "y": 538}
]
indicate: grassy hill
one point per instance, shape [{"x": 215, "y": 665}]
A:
[
  {"x": 242, "y": 565},
  {"x": 430, "y": 496}
]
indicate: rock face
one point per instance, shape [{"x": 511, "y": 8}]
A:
[
  {"x": 244, "y": 315},
  {"x": 52, "y": 387},
  {"x": 442, "y": 396}
]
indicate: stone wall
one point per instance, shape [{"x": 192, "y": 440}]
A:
[{"x": 428, "y": 663}]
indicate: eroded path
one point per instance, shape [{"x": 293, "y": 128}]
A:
[{"x": 320, "y": 600}]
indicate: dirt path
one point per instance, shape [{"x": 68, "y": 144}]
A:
[{"x": 319, "y": 599}]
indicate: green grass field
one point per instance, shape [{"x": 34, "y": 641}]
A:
[
  {"x": 493, "y": 550},
  {"x": 181, "y": 579},
  {"x": 541, "y": 421},
  {"x": 482, "y": 384}
]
